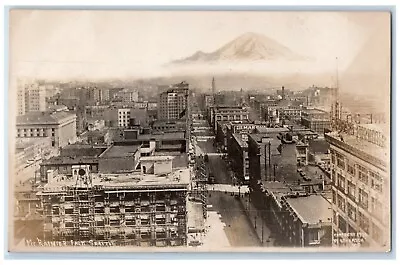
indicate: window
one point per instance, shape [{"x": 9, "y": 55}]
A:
[
  {"x": 130, "y": 222},
  {"x": 340, "y": 160},
  {"x": 99, "y": 210},
  {"x": 351, "y": 190},
  {"x": 161, "y": 235},
  {"x": 69, "y": 224},
  {"x": 351, "y": 169},
  {"x": 333, "y": 156},
  {"x": 145, "y": 221},
  {"x": 341, "y": 203},
  {"x": 333, "y": 196},
  {"x": 114, "y": 223},
  {"x": 363, "y": 198},
  {"x": 313, "y": 236},
  {"x": 334, "y": 217},
  {"x": 56, "y": 210},
  {"x": 69, "y": 211},
  {"x": 376, "y": 181},
  {"x": 341, "y": 183},
  {"x": 342, "y": 224},
  {"x": 364, "y": 222},
  {"x": 114, "y": 209},
  {"x": 100, "y": 223},
  {"x": 160, "y": 221},
  {"x": 363, "y": 174},
  {"x": 351, "y": 211}
]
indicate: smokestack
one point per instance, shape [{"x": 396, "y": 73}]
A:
[{"x": 283, "y": 92}]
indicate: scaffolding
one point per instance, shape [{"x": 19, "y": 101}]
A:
[{"x": 125, "y": 216}]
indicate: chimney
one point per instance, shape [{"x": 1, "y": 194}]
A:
[{"x": 283, "y": 92}]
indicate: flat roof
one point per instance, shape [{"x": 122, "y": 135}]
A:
[
  {"x": 156, "y": 158},
  {"x": 278, "y": 189},
  {"x": 180, "y": 176},
  {"x": 379, "y": 127},
  {"x": 163, "y": 136},
  {"x": 238, "y": 138},
  {"x": 362, "y": 145},
  {"x": 311, "y": 209},
  {"x": 262, "y": 129},
  {"x": 70, "y": 160},
  {"x": 45, "y": 117},
  {"x": 120, "y": 151}
]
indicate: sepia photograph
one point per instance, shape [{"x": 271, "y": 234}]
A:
[{"x": 199, "y": 131}]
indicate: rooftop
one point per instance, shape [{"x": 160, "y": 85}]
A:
[
  {"x": 238, "y": 138},
  {"x": 311, "y": 209},
  {"x": 358, "y": 147},
  {"x": 277, "y": 190},
  {"x": 66, "y": 160},
  {"x": 179, "y": 177},
  {"x": 262, "y": 129},
  {"x": 315, "y": 111},
  {"x": 45, "y": 117},
  {"x": 163, "y": 136},
  {"x": 156, "y": 158},
  {"x": 318, "y": 146},
  {"x": 120, "y": 151},
  {"x": 379, "y": 127}
]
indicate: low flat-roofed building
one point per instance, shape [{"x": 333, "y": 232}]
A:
[
  {"x": 156, "y": 164},
  {"x": 132, "y": 209},
  {"x": 315, "y": 119},
  {"x": 307, "y": 221},
  {"x": 169, "y": 126},
  {"x": 119, "y": 158},
  {"x": 228, "y": 113},
  {"x": 79, "y": 150},
  {"x": 60, "y": 127}
]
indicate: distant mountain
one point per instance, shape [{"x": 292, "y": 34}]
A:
[{"x": 247, "y": 47}]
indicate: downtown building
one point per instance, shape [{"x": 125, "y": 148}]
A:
[
  {"x": 316, "y": 120},
  {"x": 228, "y": 114},
  {"x": 173, "y": 102},
  {"x": 60, "y": 127},
  {"x": 361, "y": 187},
  {"x": 142, "y": 208},
  {"x": 30, "y": 98}
]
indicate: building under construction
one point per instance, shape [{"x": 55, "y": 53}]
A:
[{"x": 139, "y": 209}]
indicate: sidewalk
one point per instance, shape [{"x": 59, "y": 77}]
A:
[{"x": 261, "y": 228}]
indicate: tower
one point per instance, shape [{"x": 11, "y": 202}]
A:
[
  {"x": 335, "y": 105},
  {"x": 213, "y": 86}
]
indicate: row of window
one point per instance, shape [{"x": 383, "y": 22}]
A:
[
  {"x": 37, "y": 132},
  {"x": 375, "y": 207},
  {"x": 368, "y": 177},
  {"x": 368, "y": 226}
]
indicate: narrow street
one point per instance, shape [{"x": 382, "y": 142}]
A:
[{"x": 227, "y": 223}]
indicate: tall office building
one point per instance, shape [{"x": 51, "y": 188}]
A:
[
  {"x": 21, "y": 100},
  {"x": 360, "y": 187},
  {"x": 172, "y": 103},
  {"x": 35, "y": 98}
]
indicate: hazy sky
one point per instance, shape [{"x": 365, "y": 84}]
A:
[{"x": 101, "y": 44}]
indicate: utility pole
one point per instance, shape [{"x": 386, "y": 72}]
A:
[
  {"x": 265, "y": 162},
  {"x": 269, "y": 158},
  {"x": 262, "y": 231}
]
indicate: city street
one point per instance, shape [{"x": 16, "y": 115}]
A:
[
  {"x": 227, "y": 223},
  {"x": 238, "y": 230}
]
